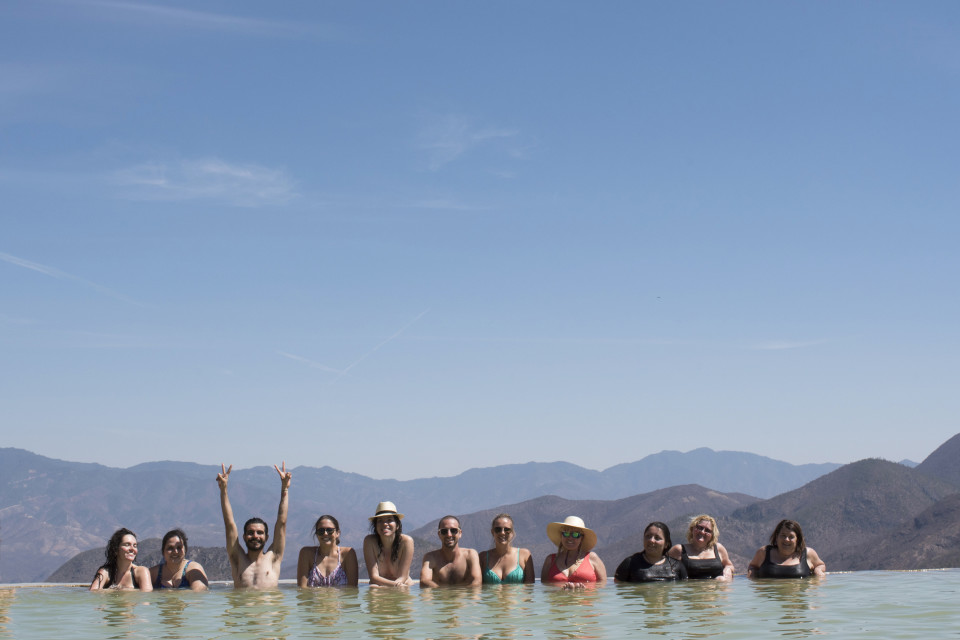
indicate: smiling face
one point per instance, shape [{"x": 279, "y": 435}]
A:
[
  {"x": 174, "y": 551},
  {"x": 327, "y": 531},
  {"x": 702, "y": 534},
  {"x": 502, "y": 531},
  {"x": 570, "y": 539},
  {"x": 654, "y": 542},
  {"x": 449, "y": 533},
  {"x": 255, "y": 535},
  {"x": 128, "y": 547},
  {"x": 387, "y": 526},
  {"x": 786, "y": 542}
]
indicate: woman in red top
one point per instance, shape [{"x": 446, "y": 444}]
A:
[{"x": 574, "y": 564}]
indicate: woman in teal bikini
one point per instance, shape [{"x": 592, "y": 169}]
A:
[{"x": 505, "y": 564}]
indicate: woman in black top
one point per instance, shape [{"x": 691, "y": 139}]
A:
[
  {"x": 652, "y": 564},
  {"x": 787, "y": 556},
  {"x": 703, "y": 556}
]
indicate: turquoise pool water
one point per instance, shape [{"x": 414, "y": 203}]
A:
[{"x": 857, "y": 605}]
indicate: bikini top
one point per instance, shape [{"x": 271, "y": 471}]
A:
[
  {"x": 184, "y": 583},
  {"x": 514, "y": 577},
  {"x": 337, "y": 577}
]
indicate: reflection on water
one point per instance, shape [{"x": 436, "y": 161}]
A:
[
  {"x": 863, "y": 605},
  {"x": 119, "y": 609},
  {"x": 256, "y": 614},
  {"x": 389, "y": 612},
  {"x": 7, "y": 596},
  {"x": 573, "y": 612}
]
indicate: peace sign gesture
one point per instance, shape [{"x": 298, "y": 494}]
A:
[
  {"x": 224, "y": 475},
  {"x": 285, "y": 476}
]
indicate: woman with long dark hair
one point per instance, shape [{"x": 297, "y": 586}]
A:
[
  {"x": 387, "y": 551},
  {"x": 119, "y": 571},
  {"x": 787, "y": 555},
  {"x": 174, "y": 570},
  {"x": 327, "y": 564}
]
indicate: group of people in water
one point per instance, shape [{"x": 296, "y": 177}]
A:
[{"x": 388, "y": 553}]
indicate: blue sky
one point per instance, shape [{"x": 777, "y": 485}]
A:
[{"x": 407, "y": 239}]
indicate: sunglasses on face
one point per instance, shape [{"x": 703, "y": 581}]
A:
[
  {"x": 449, "y": 532},
  {"x": 502, "y": 529},
  {"x": 325, "y": 531},
  {"x": 571, "y": 534},
  {"x": 703, "y": 529}
]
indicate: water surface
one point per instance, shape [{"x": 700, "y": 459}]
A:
[{"x": 878, "y": 604}]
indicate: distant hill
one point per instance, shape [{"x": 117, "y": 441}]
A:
[
  {"x": 859, "y": 501},
  {"x": 930, "y": 540},
  {"x": 50, "y": 510},
  {"x": 82, "y": 567},
  {"x": 942, "y": 463},
  {"x": 613, "y": 520}
]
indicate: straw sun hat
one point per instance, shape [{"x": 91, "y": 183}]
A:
[
  {"x": 572, "y": 522},
  {"x": 386, "y": 508}
]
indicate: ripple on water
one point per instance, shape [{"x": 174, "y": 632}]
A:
[{"x": 856, "y": 605}]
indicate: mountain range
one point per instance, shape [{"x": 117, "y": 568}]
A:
[
  {"x": 50, "y": 510},
  {"x": 865, "y": 515}
]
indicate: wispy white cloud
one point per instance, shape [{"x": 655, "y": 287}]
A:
[
  {"x": 309, "y": 363},
  {"x": 380, "y": 345},
  {"x": 451, "y": 136},
  {"x": 245, "y": 185},
  {"x": 62, "y": 275},
  {"x": 156, "y": 14}
]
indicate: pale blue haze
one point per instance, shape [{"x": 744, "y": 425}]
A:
[{"x": 406, "y": 239}]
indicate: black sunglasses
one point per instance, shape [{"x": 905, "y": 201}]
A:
[
  {"x": 449, "y": 532},
  {"x": 502, "y": 529},
  {"x": 325, "y": 531}
]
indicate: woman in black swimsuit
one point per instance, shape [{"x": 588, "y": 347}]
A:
[
  {"x": 787, "y": 556},
  {"x": 119, "y": 571},
  {"x": 174, "y": 570},
  {"x": 702, "y": 555}
]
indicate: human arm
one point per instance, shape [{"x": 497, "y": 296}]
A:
[
  {"x": 304, "y": 566},
  {"x": 622, "y": 573},
  {"x": 528, "y": 573},
  {"x": 350, "y": 567},
  {"x": 753, "y": 569},
  {"x": 101, "y": 580},
  {"x": 728, "y": 568},
  {"x": 676, "y": 552},
  {"x": 817, "y": 566},
  {"x": 229, "y": 525},
  {"x": 426, "y": 572},
  {"x": 197, "y": 577},
  {"x": 598, "y": 568},
  {"x": 280, "y": 528},
  {"x": 473, "y": 568},
  {"x": 143, "y": 578},
  {"x": 544, "y": 571}
]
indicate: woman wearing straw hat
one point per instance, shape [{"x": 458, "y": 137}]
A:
[
  {"x": 574, "y": 563},
  {"x": 387, "y": 551}
]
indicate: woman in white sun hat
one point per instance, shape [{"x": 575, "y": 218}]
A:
[
  {"x": 574, "y": 564},
  {"x": 387, "y": 551}
]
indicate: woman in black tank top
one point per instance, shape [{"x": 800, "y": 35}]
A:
[
  {"x": 787, "y": 556},
  {"x": 703, "y": 556}
]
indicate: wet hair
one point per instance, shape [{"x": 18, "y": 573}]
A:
[
  {"x": 666, "y": 534},
  {"x": 395, "y": 548},
  {"x": 112, "y": 553},
  {"x": 459, "y": 526},
  {"x": 336, "y": 525},
  {"x": 174, "y": 533},
  {"x": 693, "y": 525},
  {"x": 266, "y": 527},
  {"x": 789, "y": 525},
  {"x": 500, "y": 516}
]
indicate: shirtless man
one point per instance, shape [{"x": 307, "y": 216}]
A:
[
  {"x": 450, "y": 565},
  {"x": 255, "y": 568}
]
